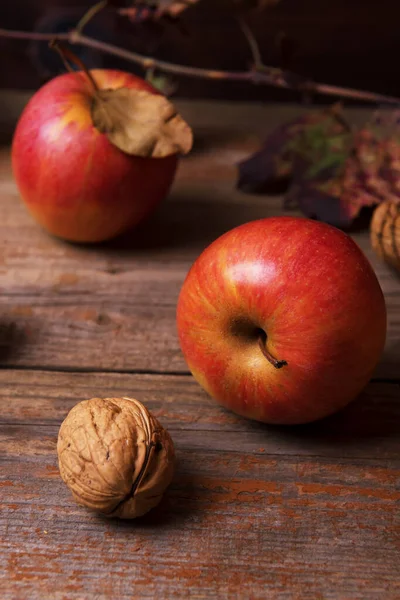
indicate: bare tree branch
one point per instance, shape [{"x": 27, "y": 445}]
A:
[
  {"x": 33, "y": 35},
  {"x": 265, "y": 75}
]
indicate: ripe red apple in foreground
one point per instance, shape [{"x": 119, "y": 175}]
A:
[
  {"x": 74, "y": 181},
  {"x": 282, "y": 320}
]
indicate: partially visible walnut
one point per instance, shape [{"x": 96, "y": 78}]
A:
[
  {"x": 115, "y": 456},
  {"x": 385, "y": 232}
]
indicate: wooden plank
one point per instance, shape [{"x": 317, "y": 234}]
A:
[
  {"x": 230, "y": 524},
  {"x": 366, "y": 429},
  {"x": 113, "y": 306},
  {"x": 253, "y": 511},
  {"x": 63, "y": 306}
]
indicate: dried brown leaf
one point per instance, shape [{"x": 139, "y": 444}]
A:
[{"x": 141, "y": 123}]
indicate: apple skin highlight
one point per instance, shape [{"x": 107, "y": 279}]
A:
[
  {"x": 306, "y": 292},
  {"x": 73, "y": 180}
]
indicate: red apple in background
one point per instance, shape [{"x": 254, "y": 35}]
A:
[
  {"x": 74, "y": 181},
  {"x": 282, "y": 320}
]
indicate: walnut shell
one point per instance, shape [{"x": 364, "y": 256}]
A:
[
  {"x": 385, "y": 232},
  {"x": 115, "y": 456}
]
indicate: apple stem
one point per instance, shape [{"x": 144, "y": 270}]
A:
[
  {"x": 67, "y": 55},
  {"x": 278, "y": 364}
]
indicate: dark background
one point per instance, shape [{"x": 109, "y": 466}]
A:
[{"x": 350, "y": 43}]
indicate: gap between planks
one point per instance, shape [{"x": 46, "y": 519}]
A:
[
  {"x": 93, "y": 370},
  {"x": 154, "y": 372}
]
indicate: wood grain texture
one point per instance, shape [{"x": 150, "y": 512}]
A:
[
  {"x": 253, "y": 511},
  {"x": 366, "y": 429},
  {"x": 112, "y": 307}
]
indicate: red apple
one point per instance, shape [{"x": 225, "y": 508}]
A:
[
  {"x": 74, "y": 181},
  {"x": 282, "y": 320}
]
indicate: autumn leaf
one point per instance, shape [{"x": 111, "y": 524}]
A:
[
  {"x": 332, "y": 170},
  {"x": 273, "y": 162},
  {"x": 298, "y": 138},
  {"x": 141, "y": 123}
]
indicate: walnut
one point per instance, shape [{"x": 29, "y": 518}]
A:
[
  {"x": 385, "y": 232},
  {"x": 115, "y": 456}
]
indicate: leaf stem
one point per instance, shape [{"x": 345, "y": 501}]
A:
[{"x": 67, "y": 54}]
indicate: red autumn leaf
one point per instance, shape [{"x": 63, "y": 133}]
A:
[
  {"x": 333, "y": 172},
  {"x": 275, "y": 160}
]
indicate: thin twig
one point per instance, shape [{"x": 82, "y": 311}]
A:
[
  {"x": 253, "y": 44},
  {"x": 33, "y": 35},
  {"x": 148, "y": 62},
  {"x": 264, "y": 76},
  {"x": 56, "y": 46},
  {"x": 89, "y": 14},
  {"x": 67, "y": 55}
]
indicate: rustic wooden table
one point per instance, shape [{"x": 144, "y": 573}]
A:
[{"x": 254, "y": 512}]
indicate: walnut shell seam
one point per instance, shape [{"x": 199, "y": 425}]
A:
[{"x": 115, "y": 456}]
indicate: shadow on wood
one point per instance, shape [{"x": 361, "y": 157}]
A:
[
  {"x": 372, "y": 419},
  {"x": 12, "y": 339},
  {"x": 185, "y": 223},
  {"x": 169, "y": 510}
]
